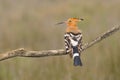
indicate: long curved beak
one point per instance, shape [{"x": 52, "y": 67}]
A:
[{"x": 60, "y": 23}]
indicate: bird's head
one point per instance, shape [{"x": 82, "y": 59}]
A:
[{"x": 72, "y": 21}]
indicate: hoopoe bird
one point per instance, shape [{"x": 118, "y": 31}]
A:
[{"x": 73, "y": 40}]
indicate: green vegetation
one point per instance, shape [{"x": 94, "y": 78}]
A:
[{"x": 31, "y": 24}]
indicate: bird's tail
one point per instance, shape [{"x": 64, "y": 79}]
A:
[{"x": 76, "y": 57}]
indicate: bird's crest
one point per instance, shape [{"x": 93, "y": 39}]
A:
[{"x": 71, "y": 21}]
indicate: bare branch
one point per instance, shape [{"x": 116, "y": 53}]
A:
[
  {"x": 101, "y": 37},
  {"x": 24, "y": 53}
]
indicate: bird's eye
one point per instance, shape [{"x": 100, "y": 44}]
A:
[{"x": 70, "y": 21}]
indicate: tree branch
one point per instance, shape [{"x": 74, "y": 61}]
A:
[{"x": 24, "y": 53}]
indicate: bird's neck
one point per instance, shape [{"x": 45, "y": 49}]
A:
[{"x": 73, "y": 29}]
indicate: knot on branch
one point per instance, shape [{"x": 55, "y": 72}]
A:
[{"x": 20, "y": 52}]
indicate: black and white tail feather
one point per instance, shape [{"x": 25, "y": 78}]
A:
[{"x": 73, "y": 42}]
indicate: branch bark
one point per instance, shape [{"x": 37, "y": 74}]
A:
[{"x": 24, "y": 53}]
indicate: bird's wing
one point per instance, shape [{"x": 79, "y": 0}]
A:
[
  {"x": 67, "y": 42},
  {"x": 72, "y": 39},
  {"x": 79, "y": 37}
]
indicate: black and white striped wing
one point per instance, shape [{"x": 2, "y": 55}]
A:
[
  {"x": 67, "y": 42},
  {"x": 71, "y": 40}
]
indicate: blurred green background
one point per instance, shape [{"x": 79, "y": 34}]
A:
[{"x": 31, "y": 24}]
